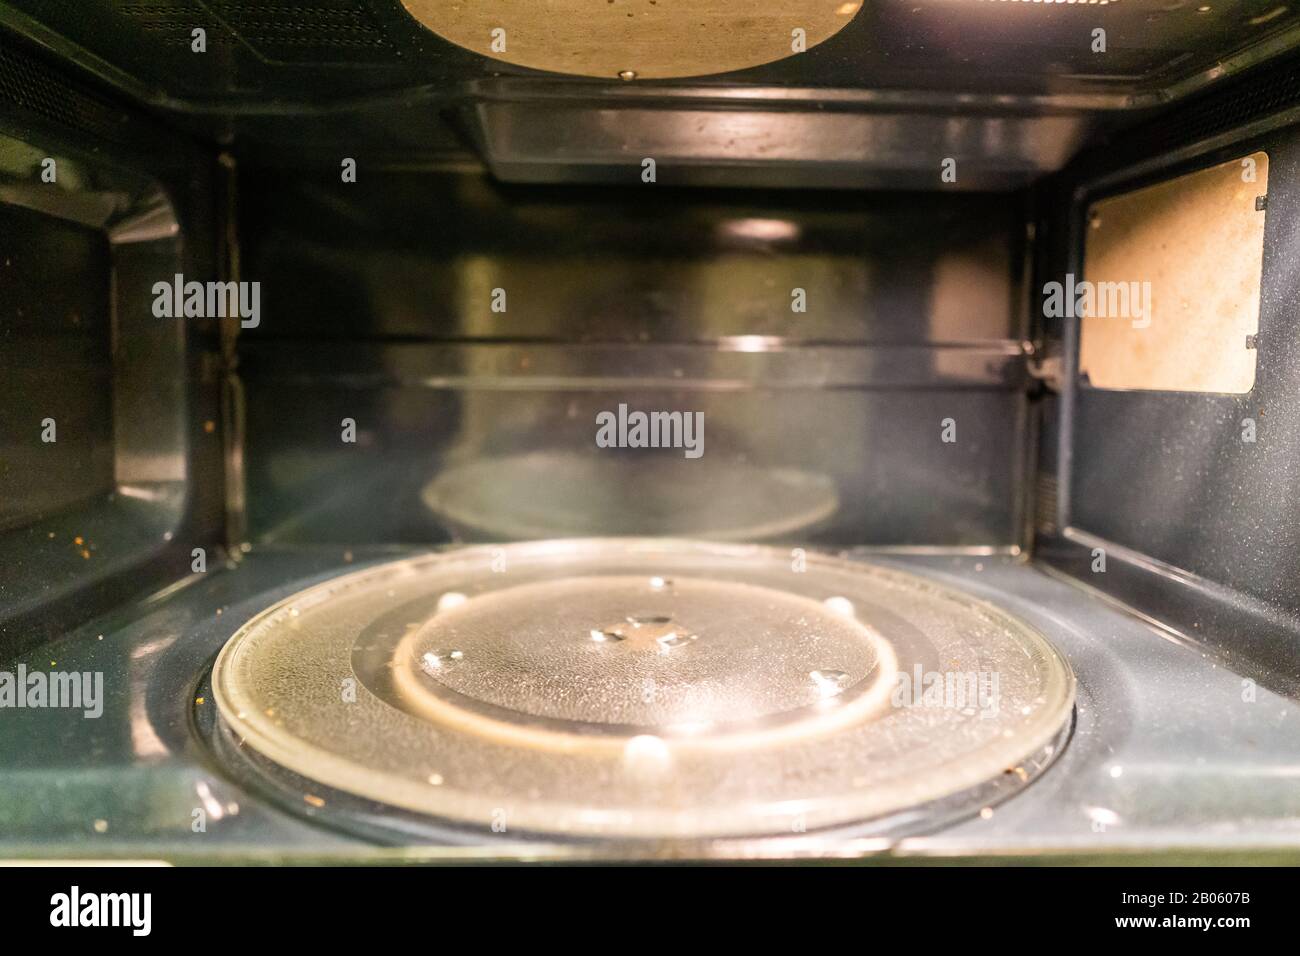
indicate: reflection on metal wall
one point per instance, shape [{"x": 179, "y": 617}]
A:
[{"x": 56, "y": 434}]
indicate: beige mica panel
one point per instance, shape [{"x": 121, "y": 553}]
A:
[
  {"x": 1198, "y": 240},
  {"x": 639, "y": 39}
]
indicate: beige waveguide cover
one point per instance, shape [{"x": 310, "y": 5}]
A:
[
  {"x": 1187, "y": 254},
  {"x": 643, "y": 39}
]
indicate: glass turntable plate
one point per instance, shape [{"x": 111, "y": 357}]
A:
[{"x": 645, "y": 688}]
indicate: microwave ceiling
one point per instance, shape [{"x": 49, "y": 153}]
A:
[
  {"x": 1017, "y": 85},
  {"x": 268, "y": 54}
]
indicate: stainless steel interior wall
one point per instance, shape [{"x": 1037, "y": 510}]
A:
[
  {"x": 1198, "y": 526},
  {"x": 379, "y": 307},
  {"x": 97, "y": 203},
  {"x": 56, "y": 436}
]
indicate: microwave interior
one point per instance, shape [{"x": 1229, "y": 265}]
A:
[{"x": 649, "y": 430}]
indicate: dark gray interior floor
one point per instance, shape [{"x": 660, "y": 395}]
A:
[{"x": 1172, "y": 752}]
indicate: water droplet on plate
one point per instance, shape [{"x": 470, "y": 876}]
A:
[
  {"x": 675, "y": 639},
  {"x": 829, "y": 683},
  {"x": 646, "y": 756},
  {"x": 840, "y": 605},
  {"x": 433, "y": 661},
  {"x": 450, "y": 600},
  {"x": 1103, "y": 816},
  {"x": 644, "y": 632}
]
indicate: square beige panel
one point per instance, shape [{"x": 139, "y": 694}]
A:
[{"x": 1198, "y": 240}]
